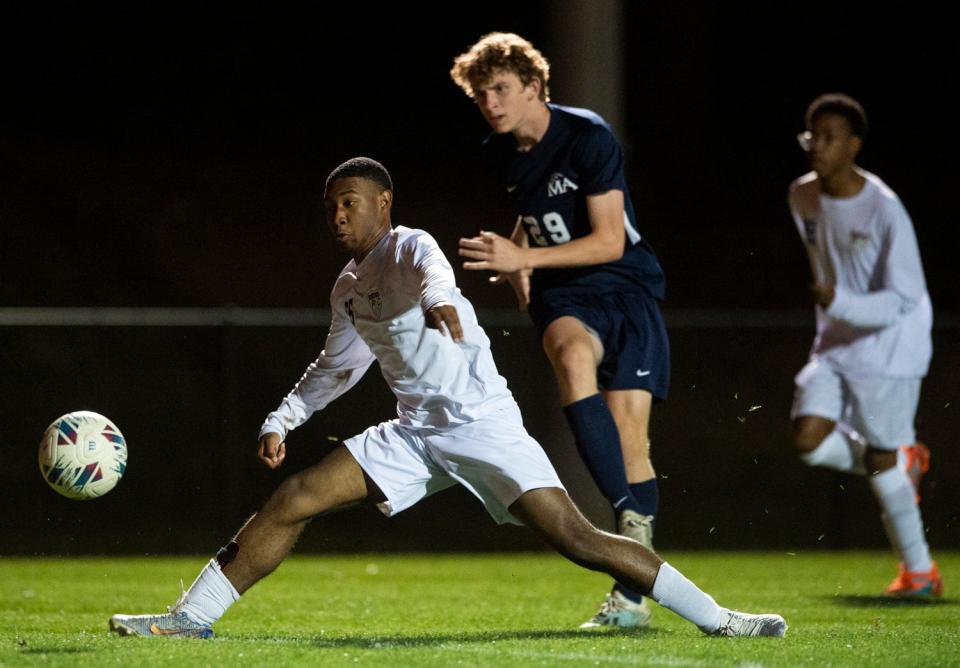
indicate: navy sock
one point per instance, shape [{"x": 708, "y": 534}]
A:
[
  {"x": 598, "y": 442},
  {"x": 628, "y": 593},
  {"x": 647, "y": 496}
]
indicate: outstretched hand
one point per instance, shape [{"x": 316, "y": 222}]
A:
[
  {"x": 444, "y": 318},
  {"x": 271, "y": 450},
  {"x": 492, "y": 252}
]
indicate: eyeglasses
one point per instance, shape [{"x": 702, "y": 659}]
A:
[{"x": 805, "y": 139}]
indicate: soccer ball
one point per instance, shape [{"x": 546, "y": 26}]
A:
[{"x": 82, "y": 455}]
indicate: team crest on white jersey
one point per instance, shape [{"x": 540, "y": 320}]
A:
[
  {"x": 859, "y": 240},
  {"x": 559, "y": 184},
  {"x": 376, "y": 302}
]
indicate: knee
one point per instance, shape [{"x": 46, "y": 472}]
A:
[
  {"x": 807, "y": 433},
  {"x": 287, "y": 498},
  {"x": 290, "y": 488},
  {"x": 571, "y": 359}
]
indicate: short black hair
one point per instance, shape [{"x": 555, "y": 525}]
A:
[
  {"x": 841, "y": 105},
  {"x": 364, "y": 168}
]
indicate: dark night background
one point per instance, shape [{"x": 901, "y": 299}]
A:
[{"x": 173, "y": 155}]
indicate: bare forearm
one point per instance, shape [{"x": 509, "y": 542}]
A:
[
  {"x": 605, "y": 243},
  {"x": 582, "y": 252}
]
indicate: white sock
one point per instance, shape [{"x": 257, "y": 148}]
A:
[
  {"x": 901, "y": 518},
  {"x": 675, "y": 592},
  {"x": 840, "y": 450},
  {"x": 209, "y": 596}
]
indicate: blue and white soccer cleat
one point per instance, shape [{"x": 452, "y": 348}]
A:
[
  {"x": 739, "y": 624},
  {"x": 168, "y": 625},
  {"x": 619, "y": 611}
]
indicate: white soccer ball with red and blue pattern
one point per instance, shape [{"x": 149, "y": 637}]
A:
[{"x": 83, "y": 455}]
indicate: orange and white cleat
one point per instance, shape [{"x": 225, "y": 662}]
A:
[
  {"x": 920, "y": 585},
  {"x": 915, "y": 461}
]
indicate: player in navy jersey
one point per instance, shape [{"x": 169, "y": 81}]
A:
[{"x": 590, "y": 281}]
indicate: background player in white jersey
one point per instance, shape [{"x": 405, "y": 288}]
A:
[
  {"x": 396, "y": 302},
  {"x": 595, "y": 287},
  {"x": 857, "y": 396}
]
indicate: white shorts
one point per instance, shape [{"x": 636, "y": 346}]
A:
[
  {"x": 882, "y": 410},
  {"x": 494, "y": 457}
]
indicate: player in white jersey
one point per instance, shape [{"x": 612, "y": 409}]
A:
[
  {"x": 857, "y": 396},
  {"x": 396, "y": 302}
]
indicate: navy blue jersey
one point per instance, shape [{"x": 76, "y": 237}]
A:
[{"x": 578, "y": 156}]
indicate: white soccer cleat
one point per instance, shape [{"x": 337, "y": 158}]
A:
[
  {"x": 169, "y": 625},
  {"x": 738, "y": 624},
  {"x": 638, "y": 527},
  {"x": 618, "y": 610},
  {"x": 175, "y": 623}
]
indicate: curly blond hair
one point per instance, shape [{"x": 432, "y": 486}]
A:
[{"x": 501, "y": 51}]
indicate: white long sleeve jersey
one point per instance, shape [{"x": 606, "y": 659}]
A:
[
  {"x": 378, "y": 314},
  {"x": 880, "y": 319}
]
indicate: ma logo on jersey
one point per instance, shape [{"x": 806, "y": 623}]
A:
[
  {"x": 559, "y": 184},
  {"x": 376, "y": 302}
]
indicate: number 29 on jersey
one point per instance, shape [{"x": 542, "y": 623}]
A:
[{"x": 552, "y": 226}]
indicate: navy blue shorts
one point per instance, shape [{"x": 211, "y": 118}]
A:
[{"x": 636, "y": 350}]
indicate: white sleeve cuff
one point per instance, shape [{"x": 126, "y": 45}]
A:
[
  {"x": 274, "y": 424},
  {"x": 435, "y": 296},
  {"x": 840, "y": 305}
]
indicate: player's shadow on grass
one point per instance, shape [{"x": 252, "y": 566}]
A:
[
  {"x": 54, "y": 650},
  {"x": 874, "y": 601},
  {"x": 427, "y": 639},
  {"x": 482, "y": 637}
]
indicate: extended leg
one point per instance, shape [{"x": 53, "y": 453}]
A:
[
  {"x": 552, "y": 515},
  {"x": 259, "y": 547},
  {"x": 267, "y": 537}
]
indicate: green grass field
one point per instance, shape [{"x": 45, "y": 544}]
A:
[{"x": 464, "y": 610}]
